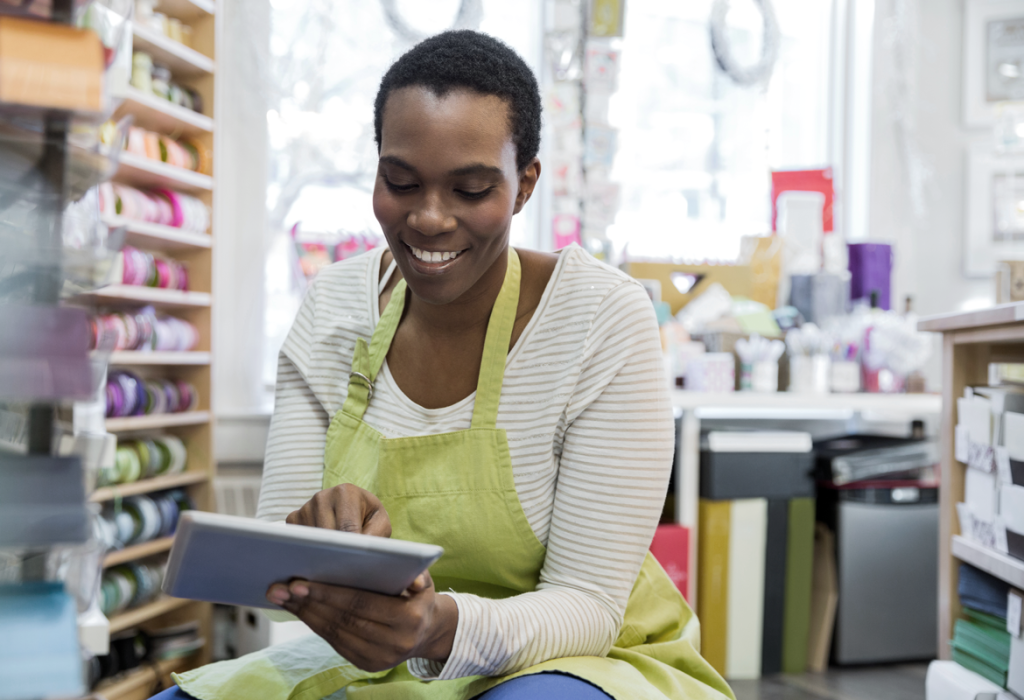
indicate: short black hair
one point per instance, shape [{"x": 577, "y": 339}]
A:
[{"x": 467, "y": 59}]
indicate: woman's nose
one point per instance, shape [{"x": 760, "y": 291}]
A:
[{"x": 430, "y": 218}]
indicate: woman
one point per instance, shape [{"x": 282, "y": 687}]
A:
[{"x": 508, "y": 405}]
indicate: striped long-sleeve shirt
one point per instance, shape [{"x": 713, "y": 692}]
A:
[{"x": 586, "y": 408}]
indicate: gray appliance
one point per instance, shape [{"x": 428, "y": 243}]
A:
[
  {"x": 887, "y": 556},
  {"x": 887, "y": 548}
]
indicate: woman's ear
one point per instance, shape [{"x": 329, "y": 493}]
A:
[{"x": 527, "y": 181}]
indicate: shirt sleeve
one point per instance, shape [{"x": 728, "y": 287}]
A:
[
  {"x": 293, "y": 467},
  {"x": 613, "y": 475}
]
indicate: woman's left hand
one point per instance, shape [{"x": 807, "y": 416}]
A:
[{"x": 373, "y": 631}]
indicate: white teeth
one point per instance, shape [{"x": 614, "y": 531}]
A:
[{"x": 433, "y": 256}]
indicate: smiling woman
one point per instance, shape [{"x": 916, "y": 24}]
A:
[{"x": 506, "y": 404}]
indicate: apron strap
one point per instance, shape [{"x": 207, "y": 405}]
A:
[
  {"x": 499, "y": 334},
  {"x": 367, "y": 360}
]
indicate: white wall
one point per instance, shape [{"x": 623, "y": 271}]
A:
[
  {"x": 919, "y": 150},
  {"x": 918, "y": 157}
]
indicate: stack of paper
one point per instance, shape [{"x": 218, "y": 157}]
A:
[
  {"x": 990, "y": 440},
  {"x": 981, "y": 641},
  {"x": 982, "y": 644}
]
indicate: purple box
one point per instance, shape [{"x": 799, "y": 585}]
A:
[{"x": 871, "y": 271}]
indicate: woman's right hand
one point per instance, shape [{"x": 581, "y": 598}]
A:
[{"x": 345, "y": 507}]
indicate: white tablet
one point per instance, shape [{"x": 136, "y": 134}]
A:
[{"x": 232, "y": 560}]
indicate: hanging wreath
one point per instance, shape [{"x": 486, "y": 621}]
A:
[
  {"x": 759, "y": 72},
  {"x": 468, "y": 17}
]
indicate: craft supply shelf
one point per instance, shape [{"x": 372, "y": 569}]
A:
[
  {"x": 156, "y": 114},
  {"x": 970, "y": 341},
  {"x": 157, "y": 237},
  {"x": 126, "y": 294},
  {"x": 157, "y": 421},
  {"x": 194, "y": 68},
  {"x": 138, "y": 684},
  {"x": 138, "y": 551},
  {"x": 128, "y": 358},
  {"x": 147, "y": 173},
  {"x": 145, "y": 613},
  {"x": 182, "y": 60},
  {"x": 158, "y": 483}
]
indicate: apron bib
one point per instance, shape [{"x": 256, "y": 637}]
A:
[{"x": 456, "y": 490}]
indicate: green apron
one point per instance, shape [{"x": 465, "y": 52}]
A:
[{"x": 456, "y": 490}]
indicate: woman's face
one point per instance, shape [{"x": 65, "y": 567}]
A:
[{"x": 447, "y": 188}]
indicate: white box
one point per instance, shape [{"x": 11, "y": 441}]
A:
[{"x": 948, "y": 680}]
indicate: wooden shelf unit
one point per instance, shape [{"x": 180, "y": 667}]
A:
[
  {"x": 140, "y": 683},
  {"x": 193, "y": 68},
  {"x": 970, "y": 342}
]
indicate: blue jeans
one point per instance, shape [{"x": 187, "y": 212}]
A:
[{"x": 542, "y": 686}]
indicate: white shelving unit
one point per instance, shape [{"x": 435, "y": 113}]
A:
[{"x": 780, "y": 406}]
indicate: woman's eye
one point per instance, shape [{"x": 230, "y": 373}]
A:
[
  {"x": 395, "y": 187},
  {"x": 474, "y": 195}
]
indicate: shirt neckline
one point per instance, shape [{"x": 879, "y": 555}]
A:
[{"x": 385, "y": 372}]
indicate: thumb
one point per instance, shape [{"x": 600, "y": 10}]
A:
[{"x": 421, "y": 583}]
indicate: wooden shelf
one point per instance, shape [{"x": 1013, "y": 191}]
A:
[
  {"x": 144, "y": 613},
  {"x": 183, "y": 61},
  {"x": 138, "y": 171},
  {"x": 157, "y": 483},
  {"x": 157, "y": 237},
  {"x": 157, "y": 420},
  {"x": 992, "y": 316},
  {"x": 139, "y": 682},
  {"x": 143, "y": 296},
  {"x": 186, "y": 9},
  {"x": 128, "y": 358},
  {"x": 138, "y": 551},
  {"x": 990, "y": 561},
  {"x": 156, "y": 114},
  {"x": 133, "y": 423}
]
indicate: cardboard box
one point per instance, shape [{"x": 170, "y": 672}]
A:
[{"x": 50, "y": 65}]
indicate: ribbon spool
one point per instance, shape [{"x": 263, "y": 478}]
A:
[
  {"x": 141, "y": 269},
  {"x": 129, "y": 585},
  {"x": 159, "y": 206},
  {"x": 144, "y": 459},
  {"x": 144, "y": 518},
  {"x": 127, "y": 394},
  {"x": 143, "y": 331}
]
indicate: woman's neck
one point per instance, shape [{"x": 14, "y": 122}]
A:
[{"x": 464, "y": 315}]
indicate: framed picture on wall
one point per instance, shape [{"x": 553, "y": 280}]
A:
[
  {"x": 995, "y": 209},
  {"x": 993, "y": 61}
]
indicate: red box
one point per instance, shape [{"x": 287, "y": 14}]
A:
[{"x": 671, "y": 547}]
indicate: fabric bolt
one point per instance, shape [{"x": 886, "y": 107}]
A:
[{"x": 586, "y": 410}]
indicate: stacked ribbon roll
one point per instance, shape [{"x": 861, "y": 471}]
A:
[
  {"x": 143, "y": 269},
  {"x": 128, "y": 394},
  {"x": 129, "y": 586},
  {"x": 164, "y": 207},
  {"x": 144, "y": 459},
  {"x": 186, "y": 153},
  {"x": 139, "y": 519},
  {"x": 143, "y": 330}
]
